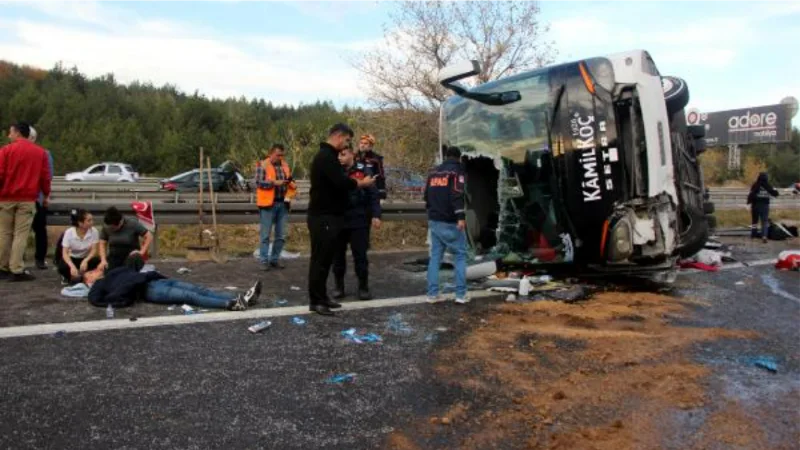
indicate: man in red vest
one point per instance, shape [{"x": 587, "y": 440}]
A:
[{"x": 275, "y": 190}]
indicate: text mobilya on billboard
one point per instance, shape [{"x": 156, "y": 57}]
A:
[{"x": 756, "y": 125}]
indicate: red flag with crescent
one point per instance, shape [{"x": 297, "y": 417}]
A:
[{"x": 144, "y": 213}]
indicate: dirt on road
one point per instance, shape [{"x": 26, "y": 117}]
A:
[{"x": 612, "y": 373}]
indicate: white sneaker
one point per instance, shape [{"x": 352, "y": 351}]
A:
[
  {"x": 435, "y": 299},
  {"x": 462, "y": 301}
]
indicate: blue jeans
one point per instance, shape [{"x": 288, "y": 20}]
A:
[
  {"x": 277, "y": 215},
  {"x": 172, "y": 292},
  {"x": 447, "y": 236}
]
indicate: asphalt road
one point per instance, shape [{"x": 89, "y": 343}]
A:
[{"x": 207, "y": 386}]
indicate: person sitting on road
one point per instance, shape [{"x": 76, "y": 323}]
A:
[
  {"x": 78, "y": 248},
  {"x": 122, "y": 286},
  {"x": 119, "y": 240}
]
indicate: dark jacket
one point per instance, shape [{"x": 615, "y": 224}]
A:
[
  {"x": 365, "y": 203},
  {"x": 444, "y": 192},
  {"x": 330, "y": 186},
  {"x": 121, "y": 287},
  {"x": 761, "y": 191},
  {"x": 374, "y": 163}
]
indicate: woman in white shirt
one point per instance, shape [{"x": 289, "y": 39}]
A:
[{"x": 79, "y": 247}]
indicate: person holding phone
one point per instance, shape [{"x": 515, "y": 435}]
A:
[{"x": 275, "y": 189}]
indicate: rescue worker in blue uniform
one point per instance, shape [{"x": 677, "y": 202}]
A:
[{"x": 364, "y": 211}]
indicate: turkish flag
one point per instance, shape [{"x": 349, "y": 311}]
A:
[{"x": 144, "y": 213}]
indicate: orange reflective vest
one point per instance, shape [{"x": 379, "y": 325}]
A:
[{"x": 266, "y": 197}]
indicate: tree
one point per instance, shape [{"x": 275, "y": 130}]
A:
[{"x": 505, "y": 37}]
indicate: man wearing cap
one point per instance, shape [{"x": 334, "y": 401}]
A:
[
  {"x": 374, "y": 162},
  {"x": 40, "y": 218}
]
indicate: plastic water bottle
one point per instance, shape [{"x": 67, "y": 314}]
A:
[
  {"x": 110, "y": 312},
  {"x": 524, "y": 286}
]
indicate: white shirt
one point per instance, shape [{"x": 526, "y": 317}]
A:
[{"x": 80, "y": 248}]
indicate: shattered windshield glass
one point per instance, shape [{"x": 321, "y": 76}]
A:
[{"x": 512, "y": 212}]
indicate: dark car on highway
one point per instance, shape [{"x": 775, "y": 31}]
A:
[{"x": 225, "y": 178}]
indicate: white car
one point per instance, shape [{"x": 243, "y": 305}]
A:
[{"x": 106, "y": 172}]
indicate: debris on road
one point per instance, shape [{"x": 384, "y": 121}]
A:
[
  {"x": 788, "y": 260},
  {"x": 231, "y": 288},
  {"x": 259, "y": 327},
  {"x": 295, "y": 288},
  {"x": 481, "y": 270},
  {"x": 341, "y": 378},
  {"x": 740, "y": 283},
  {"x": 281, "y": 302},
  {"x": 397, "y": 325},
  {"x": 298, "y": 321},
  {"x": 352, "y": 335},
  {"x": 569, "y": 295},
  {"x": 60, "y": 334},
  {"x": 109, "y": 312},
  {"x": 187, "y": 309},
  {"x": 511, "y": 298},
  {"x": 171, "y": 308},
  {"x": 767, "y": 363},
  {"x": 184, "y": 270},
  {"x": 77, "y": 291}
]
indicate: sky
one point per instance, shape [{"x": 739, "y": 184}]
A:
[{"x": 732, "y": 54}]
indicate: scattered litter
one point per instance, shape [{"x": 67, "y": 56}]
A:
[
  {"x": 231, "y": 288},
  {"x": 281, "y": 302},
  {"x": 707, "y": 260},
  {"x": 441, "y": 329},
  {"x": 713, "y": 245},
  {"x": 524, "y": 286},
  {"x": 342, "y": 378},
  {"x": 541, "y": 279},
  {"x": 699, "y": 266},
  {"x": 204, "y": 310},
  {"x": 503, "y": 283},
  {"x": 351, "y": 334},
  {"x": 260, "y": 326},
  {"x": 187, "y": 309},
  {"x": 448, "y": 288},
  {"x": 298, "y": 321},
  {"x": 788, "y": 260},
  {"x": 109, "y": 312},
  {"x": 171, "y": 308},
  {"x": 134, "y": 319},
  {"x": 549, "y": 286},
  {"x": 60, "y": 334},
  {"x": 503, "y": 289},
  {"x": 295, "y": 288},
  {"x": 740, "y": 283},
  {"x": 79, "y": 290},
  {"x": 184, "y": 270},
  {"x": 148, "y": 268},
  {"x": 481, "y": 270},
  {"x": 511, "y": 298},
  {"x": 430, "y": 337},
  {"x": 569, "y": 295},
  {"x": 397, "y": 325},
  {"x": 767, "y": 363}
]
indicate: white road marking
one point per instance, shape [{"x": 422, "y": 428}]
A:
[{"x": 145, "y": 322}]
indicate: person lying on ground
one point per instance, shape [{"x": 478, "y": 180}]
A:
[
  {"x": 78, "y": 247},
  {"x": 119, "y": 240},
  {"x": 125, "y": 285}
]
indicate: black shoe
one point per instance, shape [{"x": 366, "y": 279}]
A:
[
  {"x": 41, "y": 265},
  {"x": 332, "y": 304},
  {"x": 338, "y": 291},
  {"x": 364, "y": 294},
  {"x": 252, "y": 294},
  {"x": 5, "y": 275},
  {"x": 321, "y": 310},
  {"x": 277, "y": 265},
  {"x": 23, "y": 276}
]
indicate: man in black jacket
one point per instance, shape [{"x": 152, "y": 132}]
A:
[
  {"x": 329, "y": 200},
  {"x": 444, "y": 200},
  {"x": 758, "y": 199},
  {"x": 364, "y": 211}
]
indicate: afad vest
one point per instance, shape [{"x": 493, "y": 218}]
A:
[{"x": 266, "y": 197}]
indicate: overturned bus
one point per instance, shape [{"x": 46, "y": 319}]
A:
[{"x": 589, "y": 162}]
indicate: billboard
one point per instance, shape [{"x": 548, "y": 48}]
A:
[{"x": 755, "y": 125}]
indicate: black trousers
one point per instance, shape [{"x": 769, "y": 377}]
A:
[
  {"x": 63, "y": 267},
  {"x": 324, "y": 231},
  {"x": 358, "y": 239},
  {"x": 39, "y": 228}
]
